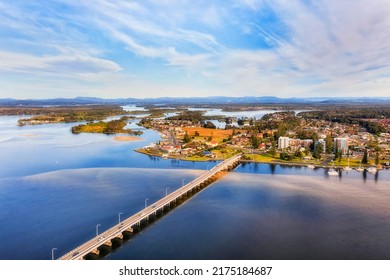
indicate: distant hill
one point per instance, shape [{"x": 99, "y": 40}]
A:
[
  {"x": 190, "y": 100},
  {"x": 64, "y": 101}
]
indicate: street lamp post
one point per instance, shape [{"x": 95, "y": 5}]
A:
[
  {"x": 207, "y": 167},
  {"x": 146, "y": 200},
  {"x": 97, "y": 229},
  {"x": 182, "y": 182},
  {"x": 119, "y": 218},
  {"x": 166, "y": 191},
  {"x": 52, "y": 253}
]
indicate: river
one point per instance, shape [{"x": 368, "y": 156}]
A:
[{"x": 55, "y": 188}]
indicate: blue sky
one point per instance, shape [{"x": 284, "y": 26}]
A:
[{"x": 182, "y": 48}]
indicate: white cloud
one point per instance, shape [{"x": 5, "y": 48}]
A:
[
  {"x": 189, "y": 61},
  {"x": 60, "y": 64},
  {"x": 335, "y": 39}
]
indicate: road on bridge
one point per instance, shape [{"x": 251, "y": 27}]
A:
[{"x": 116, "y": 231}]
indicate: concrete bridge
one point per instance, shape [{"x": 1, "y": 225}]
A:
[{"x": 128, "y": 225}]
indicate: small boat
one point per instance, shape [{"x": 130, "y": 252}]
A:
[
  {"x": 372, "y": 169},
  {"x": 332, "y": 171},
  {"x": 347, "y": 168},
  {"x": 311, "y": 166},
  {"x": 360, "y": 168}
]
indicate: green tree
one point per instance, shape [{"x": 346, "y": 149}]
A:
[
  {"x": 255, "y": 141},
  {"x": 365, "y": 157},
  {"x": 329, "y": 143},
  {"x": 187, "y": 138},
  {"x": 273, "y": 149},
  {"x": 336, "y": 155},
  {"x": 318, "y": 149},
  {"x": 281, "y": 131},
  {"x": 299, "y": 154},
  {"x": 209, "y": 124},
  {"x": 284, "y": 156}
]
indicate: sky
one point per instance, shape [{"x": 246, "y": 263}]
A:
[{"x": 194, "y": 48}]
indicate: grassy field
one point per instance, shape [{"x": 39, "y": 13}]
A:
[
  {"x": 261, "y": 158},
  {"x": 97, "y": 127},
  {"x": 224, "y": 153},
  {"x": 204, "y": 133},
  {"x": 197, "y": 158}
]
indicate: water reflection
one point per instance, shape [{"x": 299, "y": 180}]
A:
[
  {"x": 272, "y": 168},
  {"x": 276, "y": 216}
]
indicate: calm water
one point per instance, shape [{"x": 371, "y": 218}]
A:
[
  {"x": 56, "y": 187},
  {"x": 258, "y": 114}
]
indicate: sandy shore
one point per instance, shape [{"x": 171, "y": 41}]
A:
[{"x": 127, "y": 138}]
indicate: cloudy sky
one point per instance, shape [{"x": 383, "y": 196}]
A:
[{"x": 154, "y": 48}]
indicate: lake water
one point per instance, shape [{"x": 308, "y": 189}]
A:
[
  {"x": 56, "y": 187},
  {"x": 256, "y": 114}
]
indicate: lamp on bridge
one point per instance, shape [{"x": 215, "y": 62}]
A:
[
  {"x": 146, "y": 200},
  {"x": 166, "y": 191},
  {"x": 182, "y": 182},
  {"x": 52, "y": 253},
  {"x": 97, "y": 229},
  {"x": 119, "y": 218}
]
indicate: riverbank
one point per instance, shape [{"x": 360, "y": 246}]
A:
[{"x": 263, "y": 160}]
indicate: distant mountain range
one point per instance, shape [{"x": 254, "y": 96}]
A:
[{"x": 192, "y": 100}]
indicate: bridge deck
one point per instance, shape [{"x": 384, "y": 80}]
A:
[{"x": 129, "y": 223}]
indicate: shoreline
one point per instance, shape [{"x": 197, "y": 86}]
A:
[{"x": 275, "y": 162}]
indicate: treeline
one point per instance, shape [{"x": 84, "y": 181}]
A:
[
  {"x": 284, "y": 122},
  {"x": 194, "y": 116},
  {"x": 63, "y": 114},
  {"x": 345, "y": 114},
  {"x": 197, "y": 117},
  {"x": 373, "y": 127},
  {"x": 61, "y": 110},
  {"x": 361, "y": 116}
]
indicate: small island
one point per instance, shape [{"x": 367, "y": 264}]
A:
[
  {"x": 63, "y": 114},
  {"x": 110, "y": 127}
]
